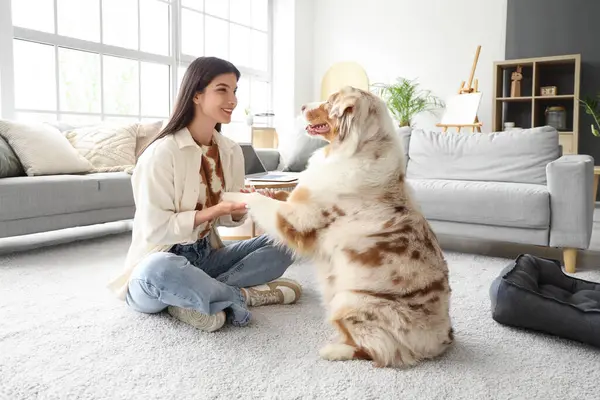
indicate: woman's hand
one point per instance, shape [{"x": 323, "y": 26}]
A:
[
  {"x": 223, "y": 208},
  {"x": 238, "y": 215},
  {"x": 227, "y": 208}
]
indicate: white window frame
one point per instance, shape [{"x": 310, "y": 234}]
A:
[
  {"x": 252, "y": 74},
  {"x": 8, "y": 32}
]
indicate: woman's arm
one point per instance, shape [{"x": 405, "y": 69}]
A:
[
  {"x": 224, "y": 208},
  {"x": 153, "y": 187},
  {"x": 238, "y": 183},
  {"x": 203, "y": 216}
]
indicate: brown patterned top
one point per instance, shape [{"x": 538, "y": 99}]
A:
[{"x": 211, "y": 176}]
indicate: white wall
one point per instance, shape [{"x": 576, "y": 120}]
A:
[
  {"x": 6, "y": 67},
  {"x": 305, "y": 15},
  {"x": 292, "y": 55},
  {"x": 432, "y": 40},
  {"x": 283, "y": 56},
  {"x": 292, "y": 64}
]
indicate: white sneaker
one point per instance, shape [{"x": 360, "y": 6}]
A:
[
  {"x": 279, "y": 291},
  {"x": 204, "y": 322}
]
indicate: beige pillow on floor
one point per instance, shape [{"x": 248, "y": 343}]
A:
[
  {"x": 42, "y": 149},
  {"x": 109, "y": 147}
]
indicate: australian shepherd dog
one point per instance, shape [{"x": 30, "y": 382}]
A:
[{"x": 382, "y": 274}]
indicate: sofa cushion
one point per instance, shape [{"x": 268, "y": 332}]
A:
[
  {"x": 36, "y": 196},
  {"x": 518, "y": 205},
  {"x": 297, "y": 147},
  {"x": 146, "y": 133},
  {"x": 404, "y": 135},
  {"x": 511, "y": 156},
  {"x": 269, "y": 157},
  {"x": 107, "y": 146},
  {"x": 42, "y": 149}
]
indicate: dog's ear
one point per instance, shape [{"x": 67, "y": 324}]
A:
[
  {"x": 342, "y": 104},
  {"x": 341, "y": 108},
  {"x": 345, "y": 125}
]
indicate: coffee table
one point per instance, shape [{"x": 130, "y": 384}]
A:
[{"x": 287, "y": 186}]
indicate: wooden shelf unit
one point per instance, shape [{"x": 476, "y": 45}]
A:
[{"x": 527, "y": 111}]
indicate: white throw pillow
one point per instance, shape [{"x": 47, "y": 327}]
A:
[
  {"x": 108, "y": 147},
  {"x": 42, "y": 149},
  {"x": 297, "y": 146},
  {"x": 146, "y": 133}
]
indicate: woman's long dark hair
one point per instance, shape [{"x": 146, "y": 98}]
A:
[{"x": 197, "y": 77}]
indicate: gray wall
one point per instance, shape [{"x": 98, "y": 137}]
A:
[{"x": 540, "y": 28}]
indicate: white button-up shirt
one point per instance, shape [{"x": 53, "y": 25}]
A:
[{"x": 166, "y": 188}]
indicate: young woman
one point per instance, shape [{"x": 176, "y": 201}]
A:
[{"x": 176, "y": 259}]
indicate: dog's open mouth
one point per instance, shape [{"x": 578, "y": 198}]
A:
[{"x": 317, "y": 129}]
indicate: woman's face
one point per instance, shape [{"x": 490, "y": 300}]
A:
[{"x": 218, "y": 99}]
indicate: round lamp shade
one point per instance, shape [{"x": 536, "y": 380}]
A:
[{"x": 342, "y": 74}]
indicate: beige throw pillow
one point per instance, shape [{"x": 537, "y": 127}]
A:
[
  {"x": 109, "y": 147},
  {"x": 146, "y": 133},
  {"x": 42, "y": 149}
]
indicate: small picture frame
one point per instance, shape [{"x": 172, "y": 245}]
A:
[{"x": 548, "y": 91}]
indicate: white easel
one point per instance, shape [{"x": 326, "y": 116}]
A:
[{"x": 461, "y": 109}]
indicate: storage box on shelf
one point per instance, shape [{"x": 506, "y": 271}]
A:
[{"x": 530, "y": 108}]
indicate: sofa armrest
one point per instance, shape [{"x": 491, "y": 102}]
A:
[{"x": 570, "y": 183}]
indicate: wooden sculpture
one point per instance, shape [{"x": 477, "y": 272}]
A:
[{"x": 515, "y": 85}]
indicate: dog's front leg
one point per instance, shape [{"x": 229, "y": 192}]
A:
[
  {"x": 262, "y": 209},
  {"x": 295, "y": 222}
]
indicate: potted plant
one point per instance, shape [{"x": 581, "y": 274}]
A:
[
  {"x": 405, "y": 99},
  {"x": 592, "y": 108},
  {"x": 249, "y": 116}
]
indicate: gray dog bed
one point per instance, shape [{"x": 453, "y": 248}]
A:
[{"x": 534, "y": 293}]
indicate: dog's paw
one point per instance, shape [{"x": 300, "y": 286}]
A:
[{"x": 337, "y": 352}]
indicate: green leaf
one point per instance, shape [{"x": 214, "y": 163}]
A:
[
  {"x": 405, "y": 99},
  {"x": 591, "y": 108}
]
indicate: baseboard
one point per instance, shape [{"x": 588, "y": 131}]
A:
[{"x": 62, "y": 236}]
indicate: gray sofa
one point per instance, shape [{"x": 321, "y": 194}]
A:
[
  {"x": 33, "y": 204},
  {"x": 509, "y": 186}
]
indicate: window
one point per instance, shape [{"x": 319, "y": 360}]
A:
[
  {"x": 236, "y": 30},
  {"x": 123, "y": 60}
]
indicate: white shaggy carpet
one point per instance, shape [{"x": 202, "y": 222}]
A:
[{"x": 63, "y": 336}]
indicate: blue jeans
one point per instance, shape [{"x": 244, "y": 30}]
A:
[{"x": 205, "y": 279}]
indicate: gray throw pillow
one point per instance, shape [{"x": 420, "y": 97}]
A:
[
  {"x": 301, "y": 149},
  {"x": 10, "y": 165}
]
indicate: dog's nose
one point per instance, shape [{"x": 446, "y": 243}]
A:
[{"x": 303, "y": 107}]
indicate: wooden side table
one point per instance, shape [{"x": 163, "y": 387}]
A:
[
  {"x": 264, "y": 138},
  {"x": 286, "y": 186}
]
